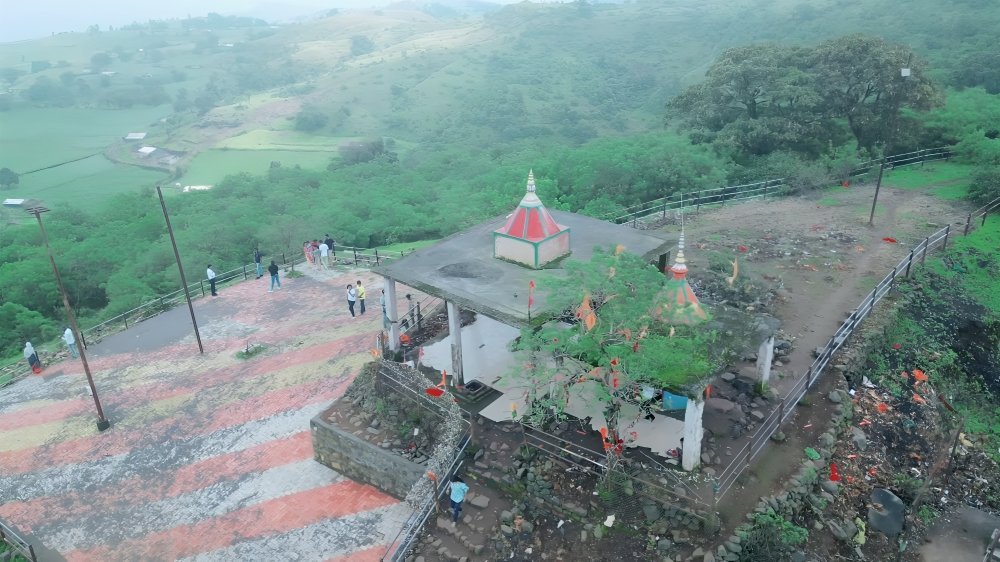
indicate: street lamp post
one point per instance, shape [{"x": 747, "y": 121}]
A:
[
  {"x": 102, "y": 422},
  {"x": 904, "y": 74}
]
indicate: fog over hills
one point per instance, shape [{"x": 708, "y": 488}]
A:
[{"x": 29, "y": 20}]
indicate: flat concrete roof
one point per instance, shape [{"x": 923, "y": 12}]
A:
[{"x": 461, "y": 268}]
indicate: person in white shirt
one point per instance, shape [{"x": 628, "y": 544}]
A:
[
  {"x": 352, "y": 297},
  {"x": 324, "y": 254},
  {"x": 70, "y": 342},
  {"x": 211, "y": 279}
]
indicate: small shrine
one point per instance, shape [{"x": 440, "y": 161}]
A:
[
  {"x": 531, "y": 236},
  {"x": 679, "y": 304}
]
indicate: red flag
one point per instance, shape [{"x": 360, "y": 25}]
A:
[{"x": 531, "y": 293}]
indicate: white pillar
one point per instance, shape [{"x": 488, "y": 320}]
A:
[
  {"x": 693, "y": 432},
  {"x": 455, "y": 333},
  {"x": 765, "y": 355},
  {"x": 392, "y": 313}
]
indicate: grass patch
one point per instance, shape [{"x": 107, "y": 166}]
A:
[
  {"x": 261, "y": 139},
  {"x": 975, "y": 263},
  {"x": 917, "y": 177},
  {"x": 828, "y": 201},
  {"x": 406, "y": 246},
  {"x": 251, "y": 350}
]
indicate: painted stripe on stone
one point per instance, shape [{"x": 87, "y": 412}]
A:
[
  {"x": 359, "y": 538},
  {"x": 161, "y": 456},
  {"x": 273, "y": 517},
  {"x": 111, "y": 524},
  {"x": 76, "y": 503},
  {"x": 183, "y": 427}
]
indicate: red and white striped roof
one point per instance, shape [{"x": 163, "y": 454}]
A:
[{"x": 531, "y": 220}]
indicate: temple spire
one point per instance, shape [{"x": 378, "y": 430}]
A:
[{"x": 531, "y": 181}]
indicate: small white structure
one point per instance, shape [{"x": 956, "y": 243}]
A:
[
  {"x": 146, "y": 151},
  {"x": 13, "y": 202},
  {"x": 135, "y": 136},
  {"x": 190, "y": 188}
]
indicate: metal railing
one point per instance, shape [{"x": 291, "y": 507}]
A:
[
  {"x": 412, "y": 386},
  {"x": 361, "y": 257},
  {"x": 17, "y": 542},
  {"x": 762, "y": 189},
  {"x": 758, "y": 441}
]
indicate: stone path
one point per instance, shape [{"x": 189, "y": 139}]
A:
[{"x": 209, "y": 456}]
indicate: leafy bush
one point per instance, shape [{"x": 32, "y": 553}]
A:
[
  {"x": 771, "y": 537},
  {"x": 985, "y": 185}
]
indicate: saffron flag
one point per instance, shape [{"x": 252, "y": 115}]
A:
[{"x": 531, "y": 294}]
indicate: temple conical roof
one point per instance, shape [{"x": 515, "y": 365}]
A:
[
  {"x": 677, "y": 303},
  {"x": 531, "y": 220}
]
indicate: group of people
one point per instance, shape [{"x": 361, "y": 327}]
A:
[
  {"x": 318, "y": 252},
  {"x": 356, "y": 294}
]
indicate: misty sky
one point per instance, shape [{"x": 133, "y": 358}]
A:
[{"x": 28, "y": 19}]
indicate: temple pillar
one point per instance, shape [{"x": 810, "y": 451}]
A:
[
  {"x": 392, "y": 313},
  {"x": 765, "y": 356},
  {"x": 693, "y": 433},
  {"x": 455, "y": 334}
]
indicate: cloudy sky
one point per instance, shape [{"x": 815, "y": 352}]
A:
[{"x": 27, "y": 19}]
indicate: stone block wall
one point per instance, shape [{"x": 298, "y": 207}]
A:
[{"x": 362, "y": 461}]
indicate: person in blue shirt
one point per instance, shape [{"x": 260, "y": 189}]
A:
[{"x": 457, "y": 489}]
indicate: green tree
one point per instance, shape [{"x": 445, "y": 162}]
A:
[
  {"x": 757, "y": 99},
  {"x": 100, "y": 61},
  {"x": 9, "y": 178},
  {"x": 861, "y": 81},
  {"x": 617, "y": 348},
  {"x": 361, "y": 45},
  {"x": 310, "y": 118}
]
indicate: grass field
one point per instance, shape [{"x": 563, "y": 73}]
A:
[
  {"x": 210, "y": 167},
  {"x": 85, "y": 183},
  {"x": 34, "y": 138},
  {"x": 921, "y": 177},
  {"x": 262, "y": 139}
]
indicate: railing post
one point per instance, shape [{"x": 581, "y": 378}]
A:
[
  {"x": 333, "y": 250},
  {"x": 355, "y": 256},
  {"x": 947, "y": 231},
  {"x": 283, "y": 260},
  {"x": 245, "y": 273},
  {"x": 376, "y": 257},
  {"x": 985, "y": 212},
  {"x": 635, "y": 220},
  {"x": 781, "y": 412},
  {"x": 765, "y": 189},
  {"x": 921, "y": 155},
  {"x": 697, "y": 208},
  {"x": 909, "y": 262},
  {"x": 968, "y": 222},
  {"x": 83, "y": 340},
  {"x": 125, "y": 317},
  {"x": 809, "y": 377},
  {"x": 664, "y": 207},
  {"x": 923, "y": 255},
  {"x": 420, "y": 317},
  {"x": 202, "y": 285}
]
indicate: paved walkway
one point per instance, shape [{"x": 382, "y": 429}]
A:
[{"x": 209, "y": 456}]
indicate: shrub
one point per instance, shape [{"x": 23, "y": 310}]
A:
[{"x": 985, "y": 185}]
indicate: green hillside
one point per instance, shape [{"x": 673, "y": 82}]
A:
[{"x": 391, "y": 126}]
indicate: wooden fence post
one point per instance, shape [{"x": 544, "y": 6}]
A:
[
  {"x": 986, "y": 212},
  {"x": 245, "y": 273},
  {"x": 697, "y": 208},
  {"x": 968, "y": 223},
  {"x": 765, "y": 189},
  {"x": 923, "y": 255},
  {"x": 909, "y": 262},
  {"x": 947, "y": 231},
  {"x": 376, "y": 257},
  {"x": 355, "y": 256}
]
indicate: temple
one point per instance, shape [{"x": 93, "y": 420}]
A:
[{"x": 531, "y": 236}]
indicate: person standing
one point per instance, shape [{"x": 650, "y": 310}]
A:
[
  {"x": 32, "y": 358},
  {"x": 361, "y": 296},
  {"x": 307, "y": 249},
  {"x": 211, "y": 279},
  {"x": 352, "y": 296},
  {"x": 329, "y": 244},
  {"x": 70, "y": 340},
  {"x": 386, "y": 324},
  {"x": 457, "y": 490},
  {"x": 273, "y": 270},
  {"x": 256, "y": 261},
  {"x": 324, "y": 254}
]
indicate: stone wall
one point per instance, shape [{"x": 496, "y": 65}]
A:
[{"x": 362, "y": 461}]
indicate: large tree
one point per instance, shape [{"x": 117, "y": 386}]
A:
[
  {"x": 861, "y": 81},
  {"x": 756, "y": 99},
  {"x": 763, "y": 98}
]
